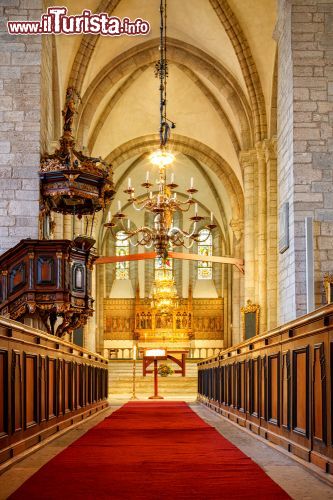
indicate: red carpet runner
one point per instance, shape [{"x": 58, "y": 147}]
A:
[{"x": 151, "y": 451}]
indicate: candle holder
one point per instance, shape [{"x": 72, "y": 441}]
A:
[{"x": 133, "y": 397}]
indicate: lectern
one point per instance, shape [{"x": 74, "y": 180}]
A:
[{"x": 155, "y": 355}]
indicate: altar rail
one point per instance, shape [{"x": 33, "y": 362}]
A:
[
  {"x": 279, "y": 386},
  {"x": 193, "y": 353},
  {"x": 46, "y": 385}
]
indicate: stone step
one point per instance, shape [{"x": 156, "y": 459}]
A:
[
  {"x": 121, "y": 381},
  {"x": 127, "y": 367}
]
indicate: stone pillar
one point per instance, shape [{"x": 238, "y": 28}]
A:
[
  {"x": 247, "y": 159},
  {"x": 99, "y": 306},
  {"x": 20, "y": 117},
  {"x": 90, "y": 329},
  {"x": 261, "y": 238},
  {"x": 305, "y": 134},
  {"x": 237, "y": 291},
  {"x": 271, "y": 190},
  {"x": 260, "y": 255}
]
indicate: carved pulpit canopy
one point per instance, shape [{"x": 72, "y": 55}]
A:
[{"x": 71, "y": 182}]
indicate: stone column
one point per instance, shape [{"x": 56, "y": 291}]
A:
[
  {"x": 248, "y": 160},
  {"x": 271, "y": 190},
  {"x": 99, "y": 306},
  {"x": 90, "y": 329},
  {"x": 21, "y": 111},
  {"x": 261, "y": 239},
  {"x": 237, "y": 292}
]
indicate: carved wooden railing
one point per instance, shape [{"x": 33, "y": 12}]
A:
[
  {"x": 46, "y": 385},
  {"x": 279, "y": 386}
]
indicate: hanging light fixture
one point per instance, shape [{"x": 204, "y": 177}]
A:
[
  {"x": 162, "y": 202},
  {"x": 164, "y": 294}
]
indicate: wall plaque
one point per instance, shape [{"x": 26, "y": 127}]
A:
[{"x": 284, "y": 227}]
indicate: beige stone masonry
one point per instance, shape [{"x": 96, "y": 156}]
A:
[
  {"x": 305, "y": 137},
  {"x": 20, "y": 125}
]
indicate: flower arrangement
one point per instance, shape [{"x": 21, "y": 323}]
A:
[{"x": 165, "y": 370}]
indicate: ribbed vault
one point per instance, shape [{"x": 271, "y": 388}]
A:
[
  {"x": 135, "y": 60},
  {"x": 237, "y": 38}
]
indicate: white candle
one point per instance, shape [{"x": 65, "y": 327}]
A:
[
  {"x": 119, "y": 206},
  {"x": 109, "y": 216},
  {"x": 196, "y": 209},
  {"x": 129, "y": 183},
  {"x": 147, "y": 176},
  {"x": 134, "y": 352},
  {"x": 128, "y": 224},
  {"x": 191, "y": 182},
  {"x": 211, "y": 217},
  {"x": 150, "y": 195},
  {"x": 172, "y": 178}
]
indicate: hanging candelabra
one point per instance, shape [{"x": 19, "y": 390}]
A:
[{"x": 164, "y": 293}]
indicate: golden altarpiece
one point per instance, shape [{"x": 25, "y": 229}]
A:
[{"x": 195, "y": 324}]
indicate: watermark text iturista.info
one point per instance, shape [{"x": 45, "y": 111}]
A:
[{"x": 57, "y": 21}]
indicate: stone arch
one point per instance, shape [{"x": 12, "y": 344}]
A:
[
  {"x": 86, "y": 49},
  {"x": 136, "y": 74},
  {"x": 236, "y": 35},
  {"x": 247, "y": 64},
  {"x": 189, "y": 147},
  {"x": 179, "y": 53},
  {"x": 273, "y": 114}
]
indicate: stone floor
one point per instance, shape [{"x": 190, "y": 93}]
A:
[
  {"x": 19, "y": 473},
  {"x": 296, "y": 479}
]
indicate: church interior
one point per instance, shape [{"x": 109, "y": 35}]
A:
[{"x": 166, "y": 249}]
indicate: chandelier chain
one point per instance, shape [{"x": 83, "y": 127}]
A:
[{"x": 162, "y": 203}]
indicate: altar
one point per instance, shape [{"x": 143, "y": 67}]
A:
[
  {"x": 152, "y": 326},
  {"x": 195, "y": 325}
]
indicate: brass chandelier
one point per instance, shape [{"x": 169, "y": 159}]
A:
[
  {"x": 162, "y": 202},
  {"x": 164, "y": 293}
]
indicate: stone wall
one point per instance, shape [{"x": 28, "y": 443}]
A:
[
  {"x": 323, "y": 256},
  {"x": 20, "y": 68},
  {"x": 305, "y": 139}
]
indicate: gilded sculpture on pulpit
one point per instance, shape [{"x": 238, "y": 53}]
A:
[{"x": 69, "y": 110}]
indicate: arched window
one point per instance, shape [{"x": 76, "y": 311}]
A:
[
  {"x": 163, "y": 269},
  {"x": 205, "y": 248},
  {"x": 122, "y": 248}
]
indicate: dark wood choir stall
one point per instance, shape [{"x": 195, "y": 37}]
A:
[
  {"x": 46, "y": 383},
  {"x": 279, "y": 386}
]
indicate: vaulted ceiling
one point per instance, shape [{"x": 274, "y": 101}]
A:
[{"x": 220, "y": 92}]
